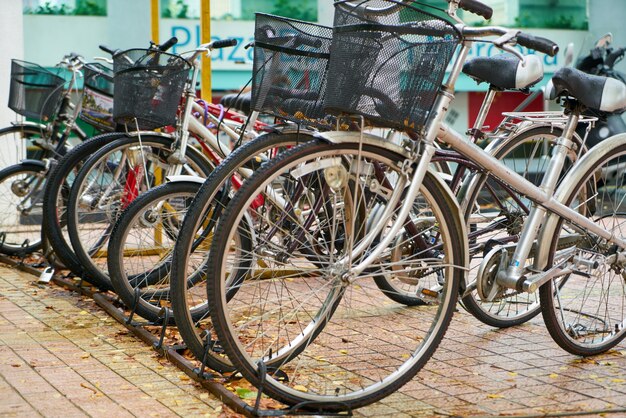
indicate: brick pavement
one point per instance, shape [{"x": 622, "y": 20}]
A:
[{"x": 62, "y": 355}]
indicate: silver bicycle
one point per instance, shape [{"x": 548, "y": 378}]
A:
[{"x": 292, "y": 293}]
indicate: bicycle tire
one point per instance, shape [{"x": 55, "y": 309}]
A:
[
  {"x": 585, "y": 310},
  {"x": 19, "y": 142},
  {"x": 102, "y": 218},
  {"x": 189, "y": 257},
  {"x": 138, "y": 255},
  {"x": 312, "y": 343},
  {"x": 21, "y": 198},
  {"x": 527, "y": 154},
  {"x": 55, "y": 199}
]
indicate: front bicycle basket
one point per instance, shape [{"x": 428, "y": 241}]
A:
[
  {"x": 290, "y": 69},
  {"x": 97, "y": 105},
  {"x": 387, "y": 61},
  {"x": 148, "y": 87},
  {"x": 34, "y": 91}
]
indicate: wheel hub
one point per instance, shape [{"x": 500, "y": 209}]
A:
[
  {"x": 20, "y": 188},
  {"x": 486, "y": 279}
]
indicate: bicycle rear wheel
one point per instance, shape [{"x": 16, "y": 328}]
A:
[
  {"x": 282, "y": 308},
  {"x": 495, "y": 215},
  {"x": 585, "y": 310}
]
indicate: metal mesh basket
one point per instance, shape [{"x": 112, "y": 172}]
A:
[
  {"x": 34, "y": 91},
  {"x": 97, "y": 104},
  {"x": 290, "y": 69},
  {"x": 387, "y": 62},
  {"x": 148, "y": 87}
]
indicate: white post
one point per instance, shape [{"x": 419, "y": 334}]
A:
[{"x": 12, "y": 35}]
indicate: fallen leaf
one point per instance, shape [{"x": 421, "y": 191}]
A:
[
  {"x": 85, "y": 355},
  {"x": 89, "y": 387},
  {"x": 618, "y": 380},
  {"x": 245, "y": 393},
  {"x": 343, "y": 351},
  {"x": 300, "y": 388},
  {"x": 512, "y": 374},
  {"x": 553, "y": 376},
  {"x": 495, "y": 396}
]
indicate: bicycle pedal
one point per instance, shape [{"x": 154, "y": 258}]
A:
[{"x": 430, "y": 295}]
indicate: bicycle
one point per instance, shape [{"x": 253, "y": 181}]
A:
[
  {"x": 146, "y": 285},
  {"x": 114, "y": 176},
  {"x": 258, "y": 321},
  {"x": 40, "y": 94},
  {"x": 138, "y": 273}
]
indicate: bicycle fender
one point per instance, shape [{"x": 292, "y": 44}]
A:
[
  {"x": 571, "y": 180},
  {"x": 29, "y": 162},
  {"x": 185, "y": 178},
  {"x": 459, "y": 223},
  {"x": 29, "y": 124},
  {"x": 343, "y": 137}
]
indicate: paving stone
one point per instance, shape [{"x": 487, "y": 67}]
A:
[{"x": 59, "y": 352}]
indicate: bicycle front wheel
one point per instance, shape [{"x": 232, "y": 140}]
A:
[
  {"x": 107, "y": 183},
  {"x": 282, "y": 302},
  {"x": 585, "y": 310},
  {"x": 21, "y": 201},
  {"x": 139, "y": 251}
]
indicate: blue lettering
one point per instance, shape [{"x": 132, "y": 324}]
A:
[
  {"x": 183, "y": 35},
  {"x": 479, "y": 46},
  {"x": 251, "y": 50},
  {"x": 548, "y": 60},
  {"x": 234, "y": 50},
  {"x": 217, "y": 54}
]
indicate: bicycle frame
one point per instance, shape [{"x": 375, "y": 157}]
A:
[{"x": 542, "y": 197}]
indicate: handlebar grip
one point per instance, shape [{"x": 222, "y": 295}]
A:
[
  {"x": 108, "y": 50},
  {"x": 537, "y": 43},
  {"x": 613, "y": 56},
  {"x": 305, "y": 40},
  {"x": 476, "y": 7},
  {"x": 224, "y": 43},
  {"x": 168, "y": 44}
]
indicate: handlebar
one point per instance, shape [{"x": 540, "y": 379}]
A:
[
  {"x": 168, "y": 44},
  {"x": 476, "y": 7},
  {"x": 537, "y": 43},
  {"x": 108, "y": 50},
  {"x": 509, "y": 35},
  {"x": 614, "y": 56},
  {"x": 224, "y": 43}
]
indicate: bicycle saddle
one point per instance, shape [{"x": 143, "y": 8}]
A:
[
  {"x": 596, "y": 92},
  {"x": 236, "y": 101},
  {"x": 505, "y": 71}
]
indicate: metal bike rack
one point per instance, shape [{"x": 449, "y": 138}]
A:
[{"x": 208, "y": 381}]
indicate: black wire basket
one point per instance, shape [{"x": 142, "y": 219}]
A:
[
  {"x": 388, "y": 60},
  {"x": 148, "y": 87},
  {"x": 97, "y": 103},
  {"x": 34, "y": 91},
  {"x": 290, "y": 69}
]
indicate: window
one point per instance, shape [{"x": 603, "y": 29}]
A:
[
  {"x": 66, "y": 7},
  {"x": 240, "y": 9}
]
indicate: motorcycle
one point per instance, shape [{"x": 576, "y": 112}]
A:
[{"x": 601, "y": 60}]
